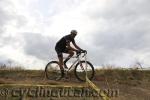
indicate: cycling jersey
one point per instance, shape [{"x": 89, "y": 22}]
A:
[{"x": 62, "y": 43}]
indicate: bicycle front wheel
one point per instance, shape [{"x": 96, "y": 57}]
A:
[
  {"x": 82, "y": 69},
  {"x": 53, "y": 71}
]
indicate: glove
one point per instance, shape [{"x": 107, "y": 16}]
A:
[
  {"x": 84, "y": 51},
  {"x": 78, "y": 51}
]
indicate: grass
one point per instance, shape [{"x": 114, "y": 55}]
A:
[
  {"x": 133, "y": 84},
  {"x": 10, "y": 74},
  {"x": 120, "y": 74}
]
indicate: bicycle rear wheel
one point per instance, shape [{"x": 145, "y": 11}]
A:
[
  {"x": 53, "y": 71},
  {"x": 80, "y": 71}
]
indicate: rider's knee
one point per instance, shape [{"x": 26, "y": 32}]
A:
[{"x": 71, "y": 53}]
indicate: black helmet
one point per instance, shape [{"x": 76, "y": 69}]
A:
[{"x": 74, "y": 32}]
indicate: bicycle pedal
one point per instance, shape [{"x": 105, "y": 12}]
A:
[
  {"x": 58, "y": 78},
  {"x": 65, "y": 78},
  {"x": 65, "y": 69},
  {"x": 65, "y": 66}
]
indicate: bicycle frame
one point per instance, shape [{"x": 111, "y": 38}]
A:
[
  {"x": 79, "y": 65},
  {"x": 79, "y": 57}
]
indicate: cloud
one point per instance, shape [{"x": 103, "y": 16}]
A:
[
  {"x": 40, "y": 46},
  {"x": 4, "y": 16},
  {"x": 10, "y": 24},
  {"x": 127, "y": 27},
  {"x": 113, "y": 32},
  {"x": 122, "y": 31}
]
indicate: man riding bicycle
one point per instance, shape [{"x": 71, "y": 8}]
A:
[{"x": 63, "y": 46}]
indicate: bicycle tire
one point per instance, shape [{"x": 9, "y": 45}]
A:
[
  {"x": 81, "y": 76},
  {"x": 53, "y": 71}
]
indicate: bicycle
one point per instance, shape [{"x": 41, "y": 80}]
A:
[{"x": 82, "y": 68}]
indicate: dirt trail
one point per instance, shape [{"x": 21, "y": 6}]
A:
[{"x": 129, "y": 89}]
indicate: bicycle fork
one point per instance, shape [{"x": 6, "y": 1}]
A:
[{"x": 81, "y": 65}]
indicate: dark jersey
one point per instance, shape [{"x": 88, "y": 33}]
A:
[{"x": 62, "y": 43}]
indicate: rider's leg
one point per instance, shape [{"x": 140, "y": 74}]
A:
[
  {"x": 71, "y": 53},
  {"x": 60, "y": 57}
]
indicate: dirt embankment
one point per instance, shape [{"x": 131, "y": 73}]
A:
[{"x": 132, "y": 84}]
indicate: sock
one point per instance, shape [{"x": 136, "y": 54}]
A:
[
  {"x": 66, "y": 60},
  {"x": 62, "y": 71}
]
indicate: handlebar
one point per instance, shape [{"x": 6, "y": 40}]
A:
[{"x": 80, "y": 52}]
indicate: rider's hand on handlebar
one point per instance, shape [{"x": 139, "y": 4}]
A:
[
  {"x": 78, "y": 51},
  {"x": 84, "y": 51}
]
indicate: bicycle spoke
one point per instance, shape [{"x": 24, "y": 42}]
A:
[
  {"x": 53, "y": 70},
  {"x": 84, "y": 69}
]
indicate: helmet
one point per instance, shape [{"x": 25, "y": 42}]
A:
[{"x": 73, "y": 32}]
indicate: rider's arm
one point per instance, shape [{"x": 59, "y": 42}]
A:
[
  {"x": 71, "y": 48},
  {"x": 76, "y": 46}
]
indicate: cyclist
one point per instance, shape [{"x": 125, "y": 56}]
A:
[{"x": 63, "y": 46}]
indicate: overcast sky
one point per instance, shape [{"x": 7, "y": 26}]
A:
[{"x": 115, "y": 32}]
